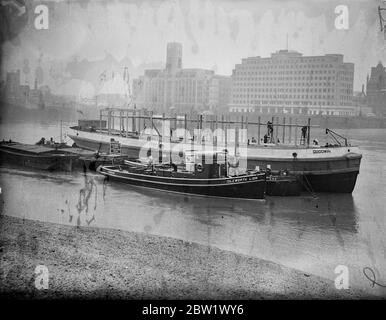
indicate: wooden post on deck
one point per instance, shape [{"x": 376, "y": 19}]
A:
[
  {"x": 139, "y": 121},
  {"x": 164, "y": 133},
  {"x": 258, "y": 129},
  {"x": 108, "y": 121},
  {"x": 160, "y": 139},
  {"x": 100, "y": 121},
  {"x": 215, "y": 129},
  {"x": 308, "y": 131},
  {"x": 290, "y": 131},
  {"x": 113, "y": 118},
  {"x": 151, "y": 123},
  {"x": 133, "y": 122},
  {"x": 277, "y": 129},
  {"x": 120, "y": 121},
  {"x": 246, "y": 127},
  {"x": 226, "y": 149},
  {"x": 236, "y": 135},
  {"x": 127, "y": 123},
  {"x": 196, "y": 138},
  {"x": 185, "y": 126}
]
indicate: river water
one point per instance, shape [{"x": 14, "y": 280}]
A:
[{"x": 311, "y": 234}]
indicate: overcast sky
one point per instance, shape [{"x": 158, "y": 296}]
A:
[{"x": 216, "y": 34}]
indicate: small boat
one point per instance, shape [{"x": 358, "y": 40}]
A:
[
  {"x": 36, "y": 156},
  {"x": 279, "y": 183},
  {"x": 136, "y": 162},
  {"x": 203, "y": 174}
]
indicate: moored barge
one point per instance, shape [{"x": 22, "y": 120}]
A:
[
  {"x": 331, "y": 167},
  {"x": 36, "y": 156}
]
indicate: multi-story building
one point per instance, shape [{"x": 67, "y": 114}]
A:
[
  {"x": 181, "y": 90},
  {"x": 288, "y": 82},
  {"x": 22, "y": 95},
  {"x": 12, "y": 85},
  {"x": 376, "y": 89}
]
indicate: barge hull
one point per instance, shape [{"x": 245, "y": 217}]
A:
[
  {"x": 325, "y": 175},
  {"x": 337, "y": 182},
  {"x": 49, "y": 163},
  {"x": 253, "y": 190}
]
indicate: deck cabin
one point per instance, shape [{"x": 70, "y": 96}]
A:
[{"x": 197, "y": 165}]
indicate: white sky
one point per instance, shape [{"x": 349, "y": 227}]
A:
[{"x": 215, "y": 34}]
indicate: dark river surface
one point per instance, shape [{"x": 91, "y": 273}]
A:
[{"x": 314, "y": 235}]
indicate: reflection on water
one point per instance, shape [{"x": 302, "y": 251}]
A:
[
  {"x": 84, "y": 196},
  {"x": 311, "y": 234}
]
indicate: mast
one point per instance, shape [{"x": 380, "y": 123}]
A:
[
  {"x": 226, "y": 150},
  {"x": 170, "y": 146},
  {"x": 61, "y": 132}
]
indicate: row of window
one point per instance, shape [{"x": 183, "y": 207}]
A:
[
  {"x": 247, "y": 91},
  {"x": 294, "y": 111},
  {"x": 282, "y": 64},
  {"x": 277, "y": 86},
  {"x": 287, "y": 102},
  {"x": 289, "y": 97},
  {"x": 240, "y": 72},
  {"x": 237, "y": 80}
]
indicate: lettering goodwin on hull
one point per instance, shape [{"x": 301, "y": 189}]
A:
[{"x": 321, "y": 151}]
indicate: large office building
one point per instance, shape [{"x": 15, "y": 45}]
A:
[
  {"x": 180, "y": 90},
  {"x": 288, "y": 82},
  {"x": 376, "y": 89}
]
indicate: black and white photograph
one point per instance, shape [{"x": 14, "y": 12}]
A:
[{"x": 193, "y": 150}]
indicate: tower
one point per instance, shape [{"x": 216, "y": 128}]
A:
[{"x": 173, "y": 57}]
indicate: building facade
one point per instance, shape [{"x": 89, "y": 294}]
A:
[
  {"x": 288, "y": 82},
  {"x": 376, "y": 90},
  {"x": 178, "y": 89},
  {"x": 14, "y": 93}
]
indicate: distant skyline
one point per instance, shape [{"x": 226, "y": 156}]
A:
[{"x": 215, "y": 34}]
